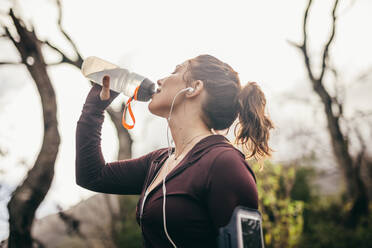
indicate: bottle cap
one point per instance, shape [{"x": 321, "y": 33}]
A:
[{"x": 145, "y": 91}]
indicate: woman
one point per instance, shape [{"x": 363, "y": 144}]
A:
[{"x": 206, "y": 177}]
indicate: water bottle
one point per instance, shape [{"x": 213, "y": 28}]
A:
[
  {"x": 121, "y": 80},
  {"x": 131, "y": 84}
]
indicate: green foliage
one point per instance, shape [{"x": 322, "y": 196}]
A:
[
  {"x": 294, "y": 216},
  {"x": 301, "y": 189},
  {"x": 325, "y": 225},
  {"x": 282, "y": 216},
  {"x": 128, "y": 233}
]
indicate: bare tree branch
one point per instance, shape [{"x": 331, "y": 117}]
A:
[
  {"x": 31, "y": 192},
  {"x": 303, "y": 45},
  {"x": 10, "y": 63},
  {"x": 326, "y": 47},
  {"x": 9, "y": 35},
  {"x": 363, "y": 146},
  {"x": 79, "y": 59},
  {"x": 125, "y": 139},
  {"x": 333, "y": 108},
  {"x": 292, "y": 43},
  {"x": 64, "y": 58},
  {"x": 29, "y": 46}
]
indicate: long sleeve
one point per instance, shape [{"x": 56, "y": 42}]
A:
[
  {"x": 230, "y": 184},
  {"x": 92, "y": 172}
]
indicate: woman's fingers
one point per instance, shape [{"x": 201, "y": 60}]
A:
[{"x": 105, "y": 92}]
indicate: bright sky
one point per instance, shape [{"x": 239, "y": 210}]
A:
[{"x": 151, "y": 38}]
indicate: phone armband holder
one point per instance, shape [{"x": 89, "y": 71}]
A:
[{"x": 243, "y": 231}]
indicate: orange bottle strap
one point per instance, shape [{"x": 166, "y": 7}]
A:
[
  {"x": 135, "y": 93},
  {"x": 124, "y": 123}
]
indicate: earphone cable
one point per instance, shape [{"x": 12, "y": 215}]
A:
[{"x": 169, "y": 154}]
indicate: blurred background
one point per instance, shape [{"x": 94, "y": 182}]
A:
[{"x": 312, "y": 59}]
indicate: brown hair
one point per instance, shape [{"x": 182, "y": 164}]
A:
[{"x": 226, "y": 101}]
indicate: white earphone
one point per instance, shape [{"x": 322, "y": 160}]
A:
[{"x": 190, "y": 90}]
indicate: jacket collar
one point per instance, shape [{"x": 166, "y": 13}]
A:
[{"x": 199, "y": 148}]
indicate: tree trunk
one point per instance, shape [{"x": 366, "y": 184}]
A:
[
  {"x": 125, "y": 141},
  {"x": 355, "y": 187},
  {"x": 28, "y": 196}
]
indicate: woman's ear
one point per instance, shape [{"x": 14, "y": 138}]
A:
[{"x": 197, "y": 87}]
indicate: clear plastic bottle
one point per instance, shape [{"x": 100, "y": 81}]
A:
[{"x": 121, "y": 80}]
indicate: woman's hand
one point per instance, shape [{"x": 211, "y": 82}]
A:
[
  {"x": 105, "y": 92},
  {"x": 100, "y": 97}
]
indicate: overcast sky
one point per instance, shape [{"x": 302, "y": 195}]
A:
[{"x": 151, "y": 38}]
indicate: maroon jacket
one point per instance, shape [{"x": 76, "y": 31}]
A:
[{"x": 202, "y": 191}]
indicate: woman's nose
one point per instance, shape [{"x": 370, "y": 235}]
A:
[{"x": 159, "y": 82}]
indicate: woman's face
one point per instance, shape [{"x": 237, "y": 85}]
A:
[{"x": 168, "y": 87}]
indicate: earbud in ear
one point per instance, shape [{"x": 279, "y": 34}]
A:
[{"x": 190, "y": 90}]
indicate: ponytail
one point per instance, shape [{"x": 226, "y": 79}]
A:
[
  {"x": 252, "y": 130},
  {"x": 226, "y": 100}
]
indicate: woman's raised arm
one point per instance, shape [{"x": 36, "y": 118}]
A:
[{"x": 92, "y": 172}]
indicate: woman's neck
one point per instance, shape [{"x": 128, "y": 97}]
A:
[{"x": 186, "y": 132}]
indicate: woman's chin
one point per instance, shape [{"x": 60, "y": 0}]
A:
[
  {"x": 149, "y": 106},
  {"x": 154, "y": 108}
]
